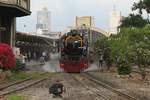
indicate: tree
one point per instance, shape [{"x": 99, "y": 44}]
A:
[
  {"x": 134, "y": 21},
  {"x": 107, "y": 57},
  {"x": 139, "y": 50},
  {"x": 138, "y": 6},
  {"x": 130, "y": 46},
  {"x": 142, "y": 5},
  {"x": 146, "y": 4},
  {"x": 141, "y": 55},
  {"x": 119, "y": 53},
  {"x": 102, "y": 48}
]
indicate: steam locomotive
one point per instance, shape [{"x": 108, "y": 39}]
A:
[{"x": 74, "y": 52}]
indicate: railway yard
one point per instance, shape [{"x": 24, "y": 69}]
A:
[
  {"x": 79, "y": 87},
  {"x": 91, "y": 85},
  {"x": 75, "y": 50}
]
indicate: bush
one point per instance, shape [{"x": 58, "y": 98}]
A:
[
  {"x": 7, "y": 58},
  {"x": 123, "y": 68}
]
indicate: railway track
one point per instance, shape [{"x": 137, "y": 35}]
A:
[
  {"x": 93, "y": 90},
  {"x": 93, "y": 79},
  {"x": 20, "y": 85},
  {"x": 101, "y": 90}
]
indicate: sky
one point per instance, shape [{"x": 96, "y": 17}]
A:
[{"x": 63, "y": 12}]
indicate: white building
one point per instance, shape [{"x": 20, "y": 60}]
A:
[
  {"x": 115, "y": 21},
  {"x": 43, "y": 25}
]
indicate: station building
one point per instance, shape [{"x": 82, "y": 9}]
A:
[{"x": 9, "y": 10}]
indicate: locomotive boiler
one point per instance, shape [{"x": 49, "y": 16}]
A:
[{"x": 73, "y": 52}]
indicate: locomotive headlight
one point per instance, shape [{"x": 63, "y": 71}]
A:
[{"x": 76, "y": 41}]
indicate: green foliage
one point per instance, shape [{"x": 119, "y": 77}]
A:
[
  {"x": 138, "y": 6},
  {"x": 123, "y": 68},
  {"x": 146, "y": 4},
  {"x": 107, "y": 57},
  {"x": 102, "y": 47},
  {"x": 135, "y": 38},
  {"x": 142, "y": 5},
  {"x": 139, "y": 41},
  {"x": 138, "y": 47},
  {"x": 133, "y": 21},
  {"x": 17, "y": 76},
  {"x": 16, "y": 97},
  {"x": 131, "y": 46}
]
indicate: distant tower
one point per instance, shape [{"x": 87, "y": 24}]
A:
[
  {"x": 115, "y": 21},
  {"x": 43, "y": 25}
]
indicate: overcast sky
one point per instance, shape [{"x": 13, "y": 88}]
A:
[{"x": 63, "y": 12}]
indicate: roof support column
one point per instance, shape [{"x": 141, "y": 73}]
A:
[{"x": 13, "y": 32}]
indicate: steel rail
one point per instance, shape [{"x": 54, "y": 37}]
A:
[
  {"x": 88, "y": 87},
  {"x": 95, "y": 80},
  {"x": 32, "y": 82}
]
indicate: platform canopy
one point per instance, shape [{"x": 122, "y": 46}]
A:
[{"x": 24, "y": 39}]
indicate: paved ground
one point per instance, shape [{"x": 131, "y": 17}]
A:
[{"x": 134, "y": 85}]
